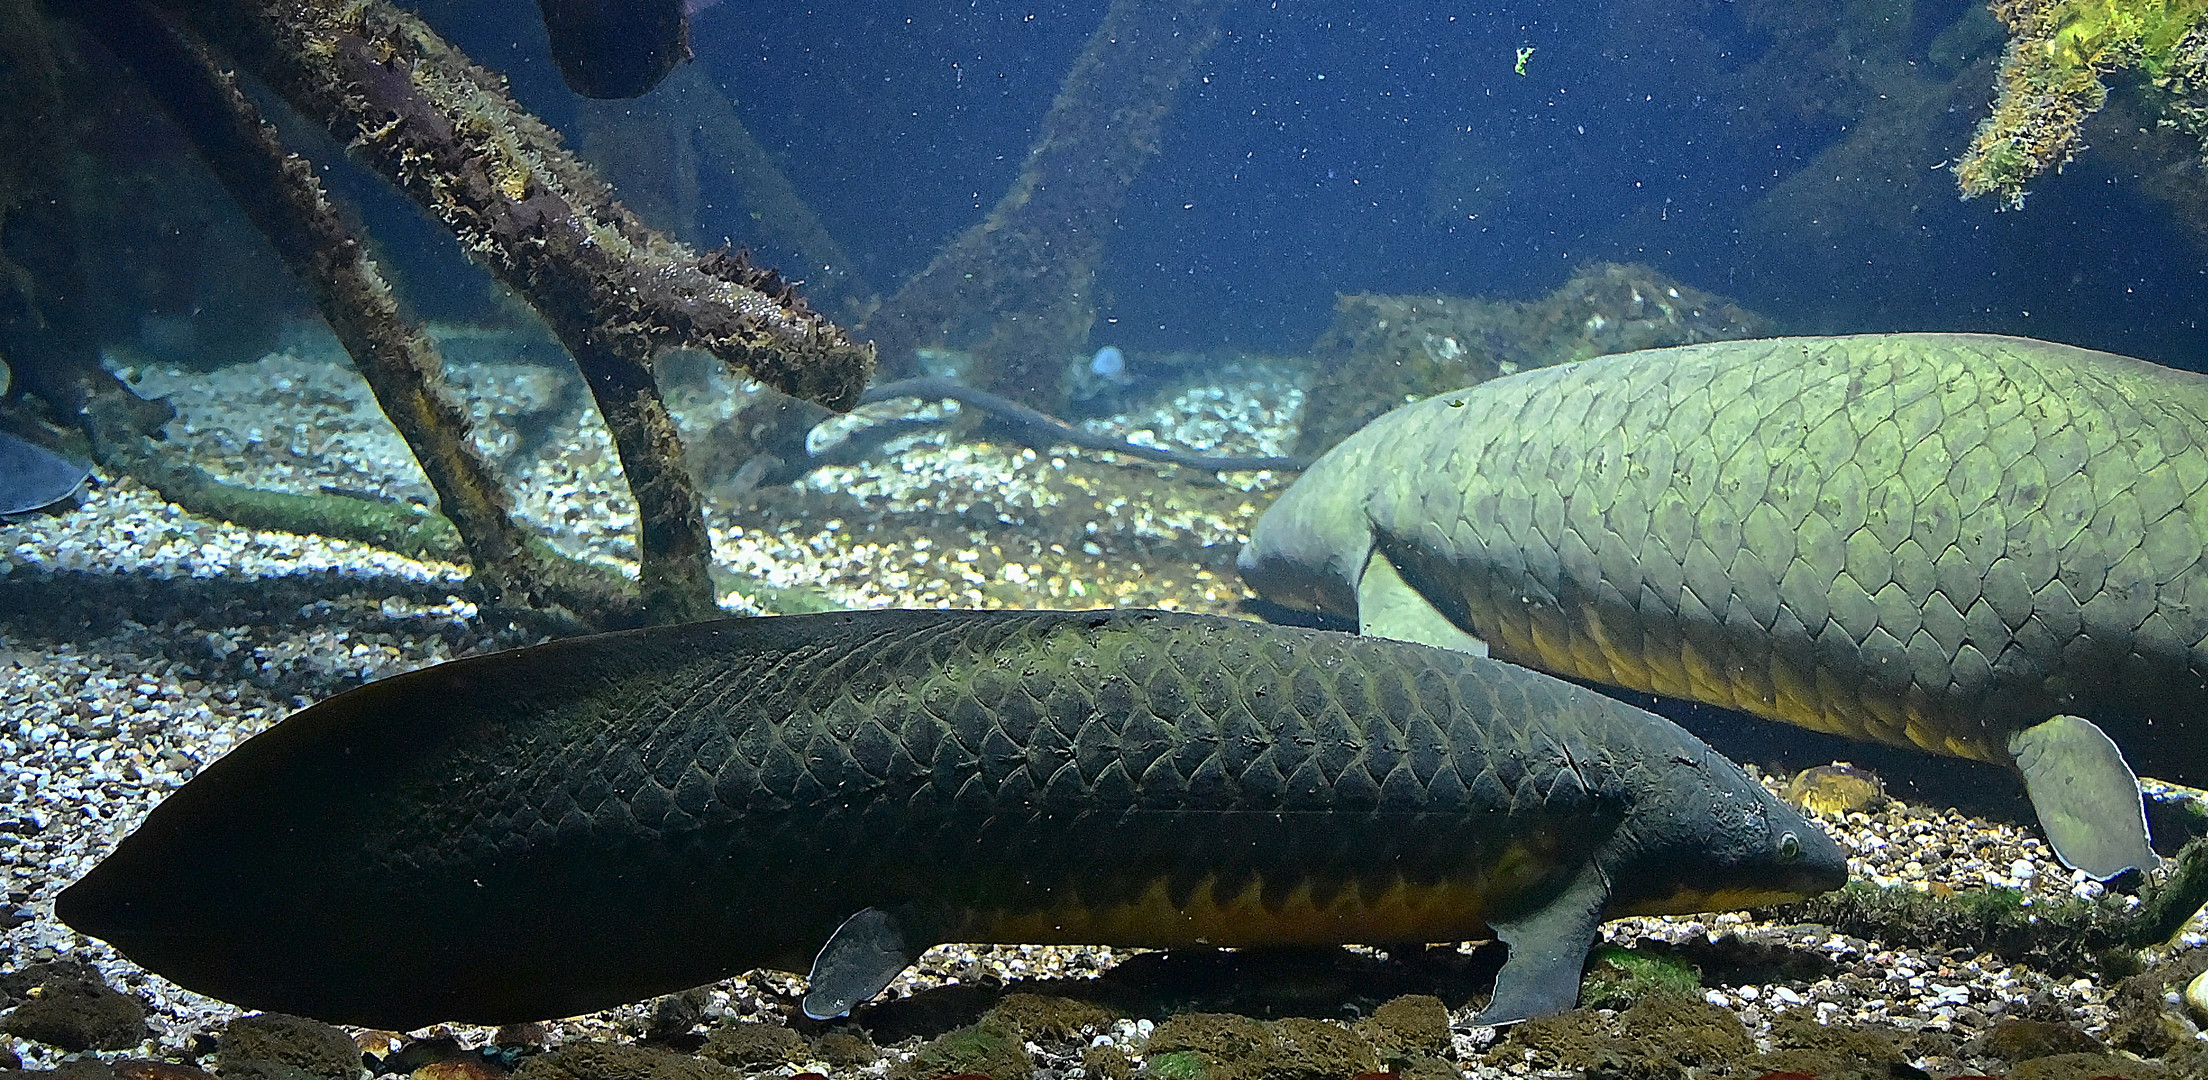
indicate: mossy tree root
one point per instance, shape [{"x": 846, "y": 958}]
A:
[
  {"x": 2066, "y": 937},
  {"x": 614, "y": 291},
  {"x": 1024, "y": 276},
  {"x": 280, "y": 193},
  {"x": 587, "y": 597}
]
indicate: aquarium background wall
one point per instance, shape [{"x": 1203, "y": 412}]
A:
[{"x": 1792, "y": 157}]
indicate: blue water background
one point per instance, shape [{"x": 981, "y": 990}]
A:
[{"x": 1301, "y": 160}]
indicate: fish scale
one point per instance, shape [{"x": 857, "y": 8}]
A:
[
  {"x": 1931, "y": 540},
  {"x": 557, "y": 829},
  {"x": 1858, "y": 593}
]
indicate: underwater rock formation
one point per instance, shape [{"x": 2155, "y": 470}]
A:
[{"x": 1384, "y": 350}]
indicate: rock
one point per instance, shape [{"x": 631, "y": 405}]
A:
[
  {"x": 1221, "y": 1046},
  {"x": 142, "y": 1069},
  {"x": 750, "y": 1043},
  {"x": 1836, "y": 790},
  {"x": 2023, "y": 1040},
  {"x": 1106, "y": 1063},
  {"x": 1662, "y": 1036},
  {"x": 273, "y": 1046},
  {"x": 846, "y": 1049},
  {"x": 615, "y": 1061},
  {"x": 459, "y": 1069},
  {"x": 2144, "y": 1022},
  {"x": 674, "y": 1016},
  {"x": 72, "y": 1069},
  {"x": 990, "y": 1047},
  {"x": 1314, "y": 1049},
  {"x": 1428, "y": 1067},
  {"x": 69, "y": 1007},
  {"x": 2087, "y": 1067},
  {"x": 1407, "y": 1026},
  {"x": 1041, "y": 1017},
  {"x": 1830, "y": 1052},
  {"x": 2196, "y": 996},
  {"x": 1221, "y": 1035}
]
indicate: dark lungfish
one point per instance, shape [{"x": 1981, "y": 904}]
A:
[
  {"x": 568, "y": 827},
  {"x": 1948, "y": 541},
  {"x": 616, "y": 48},
  {"x": 33, "y": 477}
]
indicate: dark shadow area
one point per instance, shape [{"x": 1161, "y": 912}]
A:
[{"x": 1321, "y": 983}]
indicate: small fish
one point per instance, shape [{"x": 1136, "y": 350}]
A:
[
  {"x": 564, "y": 828},
  {"x": 33, "y": 477},
  {"x": 616, "y": 48}
]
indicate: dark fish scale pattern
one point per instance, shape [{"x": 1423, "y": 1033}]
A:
[
  {"x": 562, "y": 828},
  {"x": 1007, "y": 717},
  {"x": 1923, "y": 539}
]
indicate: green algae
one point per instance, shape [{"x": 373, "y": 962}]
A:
[
  {"x": 1175, "y": 1065},
  {"x": 1618, "y": 977},
  {"x": 991, "y": 1047},
  {"x": 2052, "y": 78},
  {"x": 1222, "y": 1046}
]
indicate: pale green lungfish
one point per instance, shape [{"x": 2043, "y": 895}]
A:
[{"x": 1982, "y": 546}]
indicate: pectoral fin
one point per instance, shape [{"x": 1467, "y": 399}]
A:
[
  {"x": 1547, "y": 950},
  {"x": 861, "y": 958},
  {"x": 1388, "y": 607},
  {"x": 2087, "y": 798}
]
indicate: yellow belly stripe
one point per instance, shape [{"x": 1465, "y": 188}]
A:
[
  {"x": 1688, "y": 901},
  {"x": 1398, "y": 911},
  {"x": 1663, "y": 663}
]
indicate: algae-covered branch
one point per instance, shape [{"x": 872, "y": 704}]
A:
[
  {"x": 446, "y": 132},
  {"x": 2053, "y": 76},
  {"x": 1022, "y": 280},
  {"x": 280, "y": 192},
  {"x": 614, "y": 291}
]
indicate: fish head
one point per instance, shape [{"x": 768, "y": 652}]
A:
[
  {"x": 1708, "y": 837},
  {"x": 1309, "y": 549}
]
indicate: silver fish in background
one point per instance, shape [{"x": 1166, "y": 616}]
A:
[{"x": 32, "y": 477}]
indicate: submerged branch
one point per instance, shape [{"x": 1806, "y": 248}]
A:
[
  {"x": 614, "y": 291},
  {"x": 1023, "y": 278},
  {"x": 280, "y": 193}
]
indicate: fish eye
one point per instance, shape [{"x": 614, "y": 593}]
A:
[{"x": 1790, "y": 846}]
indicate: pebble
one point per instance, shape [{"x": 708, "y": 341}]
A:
[{"x": 96, "y": 725}]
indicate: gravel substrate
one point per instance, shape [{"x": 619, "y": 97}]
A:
[{"x": 138, "y": 642}]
